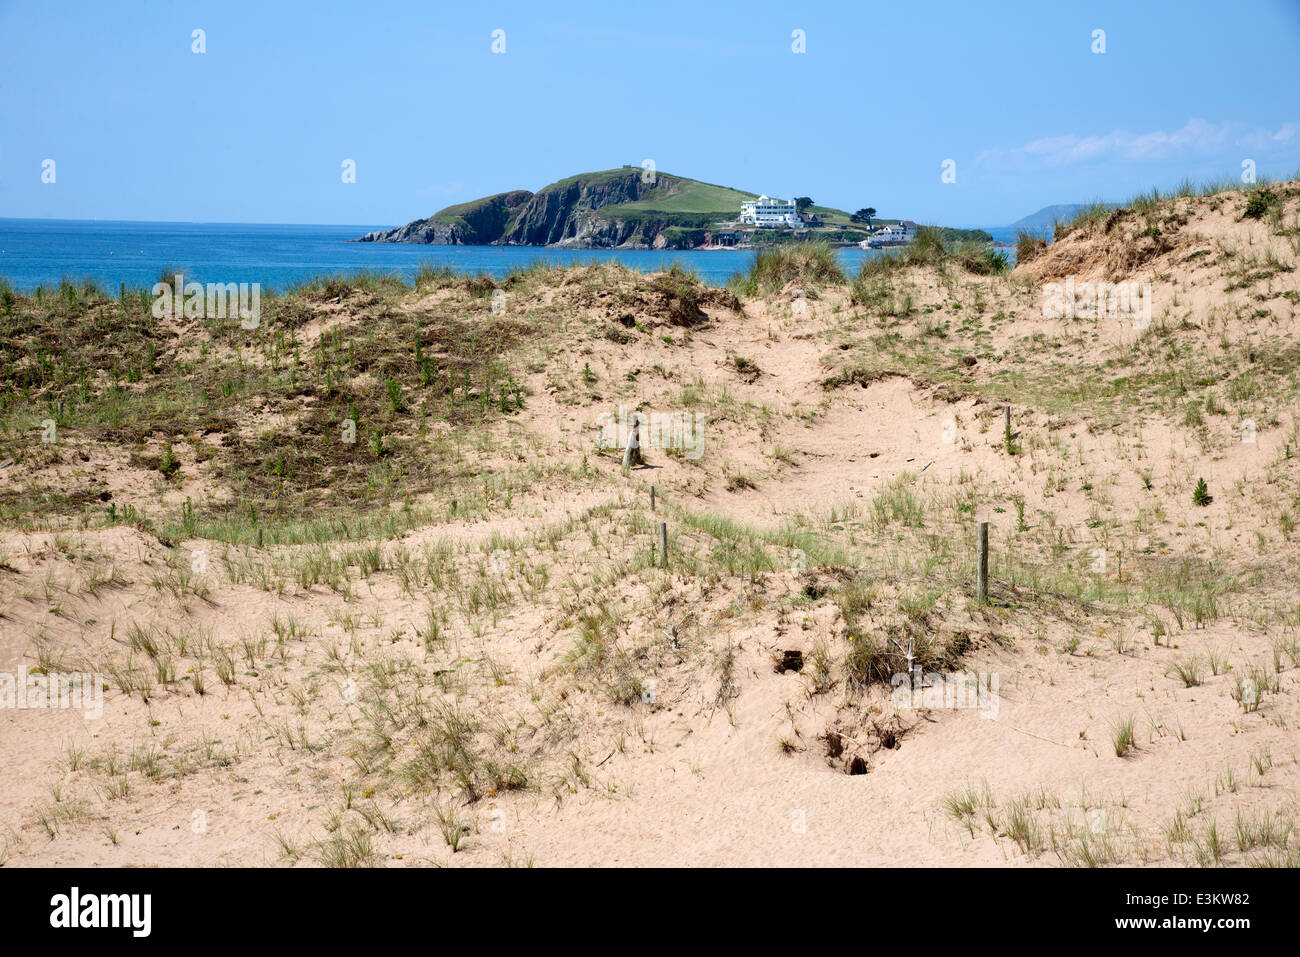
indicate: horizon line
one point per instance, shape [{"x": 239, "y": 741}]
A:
[{"x": 179, "y": 222}]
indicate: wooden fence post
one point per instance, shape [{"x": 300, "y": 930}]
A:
[
  {"x": 663, "y": 544},
  {"x": 652, "y": 498},
  {"x": 632, "y": 454}
]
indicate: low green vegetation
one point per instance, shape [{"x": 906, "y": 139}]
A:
[{"x": 330, "y": 422}]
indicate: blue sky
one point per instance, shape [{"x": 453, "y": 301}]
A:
[{"x": 256, "y": 128}]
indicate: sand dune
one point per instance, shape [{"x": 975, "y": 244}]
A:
[{"x": 387, "y": 680}]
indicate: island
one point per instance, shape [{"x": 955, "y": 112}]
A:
[{"x": 637, "y": 208}]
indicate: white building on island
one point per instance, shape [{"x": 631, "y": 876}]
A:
[
  {"x": 768, "y": 213},
  {"x": 899, "y": 234}
]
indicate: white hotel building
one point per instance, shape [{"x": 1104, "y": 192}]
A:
[{"x": 766, "y": 212}]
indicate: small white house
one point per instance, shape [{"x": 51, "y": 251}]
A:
[
  {"x": 900, "y": 234},
  {"x": 768, "y": 213}
]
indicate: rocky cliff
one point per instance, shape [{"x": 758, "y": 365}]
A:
[
  {"x": 564, "y": 213},
  {"x": 479, "y": 223}
]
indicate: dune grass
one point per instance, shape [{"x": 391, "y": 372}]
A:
[
  {"x": 811, "y": 263},
  {"x": 930, "y": 248}
]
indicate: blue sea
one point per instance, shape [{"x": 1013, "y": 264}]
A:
[{"x": 40, "y": 252}]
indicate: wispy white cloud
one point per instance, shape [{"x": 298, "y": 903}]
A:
[{"x": 1196, "y": 136}]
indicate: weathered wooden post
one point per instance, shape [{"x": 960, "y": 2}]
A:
[
  {"x": 1006, "y": 421},
  {"x": 632, "y": 453},
  {"x": 259, "y": 536},
  {"x": 652, "y": 498},
  {"x": 982, "y": 563},
  {"x": 663, "y": 544}
]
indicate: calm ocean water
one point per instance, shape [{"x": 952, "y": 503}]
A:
[{"x": 39, "y": 252}]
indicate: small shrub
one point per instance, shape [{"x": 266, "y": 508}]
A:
[
  {"x": 1201, "y": 496},
  {"x": 168, "y": 464},
  {"x": 1257, "y": 203},
  {"x": 738, "y": 483}
]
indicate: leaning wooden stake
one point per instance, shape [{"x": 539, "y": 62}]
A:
[
  {"x": 632, "y": 454},
  {"x": 982, "y": 563},
  {"x": 663, "y": 544}
]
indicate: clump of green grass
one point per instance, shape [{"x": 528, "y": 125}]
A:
[
  {"x": 1092, "y": 213},
  {"x": 813, "y": 263},
  {"x": 348, "y": 847},
  {"x": 1211, "y": 852},
  {"x": 598, "y": 654},
  {"x": 341, "y": 286},
  {"x": 898, "y": 502},
  {"x": 1188, "y": 671},
  {"x": 1028, "y": 245},
  {"x": 1249, "y": 688},
  {"x": 962, "y": 805},
  {"x": 1122, "y": 737},
  {"x": 981, "y": 259},
  {"x": 1022, "y": 828},
  {"x": 436, "y": 277},
  {"x": 451, "y": 826},
  {"x": 868, "y": 661}
]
